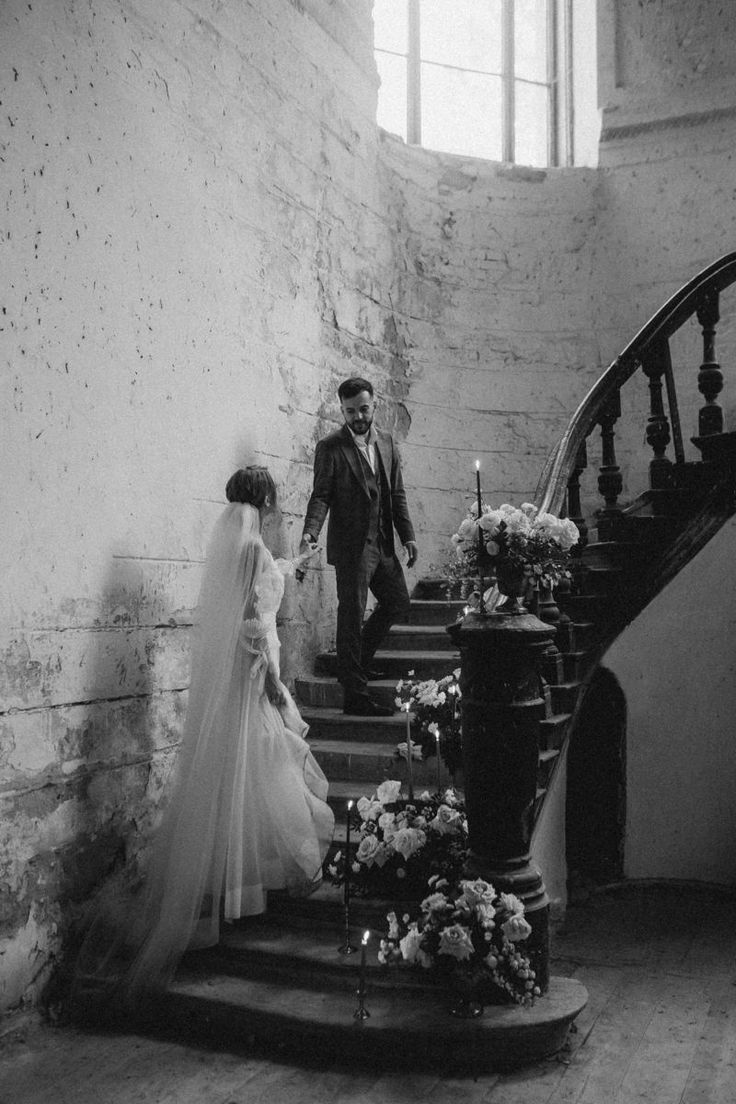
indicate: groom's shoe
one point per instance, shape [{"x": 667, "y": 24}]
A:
[
  {"x": 376, "y": 674},
  {"x": 360, "y": 705}
]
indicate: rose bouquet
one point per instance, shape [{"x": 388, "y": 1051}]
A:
[
  {"x": 514, "y": 539},
  {"x": 469, "y": 935},
  {"x": 435, "y": 707},
  {"x": 401, "y": 844}
]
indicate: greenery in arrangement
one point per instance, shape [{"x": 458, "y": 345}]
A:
[
  {"x": 435, "y": 706},
  {"x": 536, "y": 546},
  {"x": 468, "y": 935},
  {"x": 400, "y": 844}
]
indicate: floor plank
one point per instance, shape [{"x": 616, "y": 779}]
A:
[{"x": 659, "y": 1027}]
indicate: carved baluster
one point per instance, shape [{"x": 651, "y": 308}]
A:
[
  {"x": 574, "y": 509},
  {"x": 610, "y": 480},
  {"x": 655, "y": 366},
  {"x": 710, "y": 376}
]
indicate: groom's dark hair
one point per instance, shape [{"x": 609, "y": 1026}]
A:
[
  {"x": 252, "y": 485},
  {"x": 349, "y": 388}
]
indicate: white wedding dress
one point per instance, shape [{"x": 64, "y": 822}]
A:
[{"x": 248, "y": 810}]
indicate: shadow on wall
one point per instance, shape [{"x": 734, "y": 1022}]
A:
[
  {"x": 126, "y": 744},
  {"x": 596, "y": 787}
]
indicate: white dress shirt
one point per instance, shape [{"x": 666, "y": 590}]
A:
[{"x": 367, "y": 446}]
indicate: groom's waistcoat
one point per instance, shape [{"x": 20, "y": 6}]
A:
[{"x": 380, "y": 524}]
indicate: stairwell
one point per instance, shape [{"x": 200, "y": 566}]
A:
[{"x": 282, "y": 977}]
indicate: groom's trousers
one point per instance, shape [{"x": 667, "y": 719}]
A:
[{"x": 379, "y": 571}]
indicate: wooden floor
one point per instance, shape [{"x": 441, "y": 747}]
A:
[{"x": 660, "y": 1027}]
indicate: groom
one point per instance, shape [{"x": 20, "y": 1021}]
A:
[{"x": 357, "y": 478}]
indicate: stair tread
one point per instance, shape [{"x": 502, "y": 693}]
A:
[
  {"x": 348, "y": 747},
  {"x": 392, "y": 1010},
  {"x": 336, "y": 716},
  {"x": 410, "y": 656}
]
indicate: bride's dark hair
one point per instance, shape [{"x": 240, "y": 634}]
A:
[{"x": 252, "y": 485}]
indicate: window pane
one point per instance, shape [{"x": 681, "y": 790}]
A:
[
  {"x": 391, "y": 113},
  {"x": 390, "y": 25},
  {"x": 530, "y": 39},
  {"x": 461, "y": 112},
  {"x": 462, "y": 32},
  {"x": 531, "y": 122}
]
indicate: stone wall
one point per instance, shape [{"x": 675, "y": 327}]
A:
[
  {"x": 194, "y": 240},
  {"x": 496, "y": 292}
]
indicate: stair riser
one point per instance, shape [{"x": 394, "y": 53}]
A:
[
  {"x": 564, "y": 698},
  {"x": 407, "y": 641},
  {"x": 435, "y": 613},
  {"x": 552, "y": 732},
  {"x": 406, "y": 1035},
  {"x": 582, "y": 607},
  {"x": 372, "y": 770},
  {"x": 398, "y": 667},
  {"x": 339, "y": 975},
  {"x": 575, "y": 666}
]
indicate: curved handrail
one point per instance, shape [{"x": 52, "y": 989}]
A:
[{"x": 553, "y": 481}]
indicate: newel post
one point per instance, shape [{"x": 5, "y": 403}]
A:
[{"x": 500, "y": 657}]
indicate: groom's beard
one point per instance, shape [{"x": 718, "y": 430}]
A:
[{"x": 361, "y": 426}]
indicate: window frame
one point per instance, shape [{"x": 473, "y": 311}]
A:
[{"x": 558, "y": 82}]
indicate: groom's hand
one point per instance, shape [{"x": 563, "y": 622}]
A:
[
  {"x": 411, "y": 553},
  {"x": 307, "y": 548}
]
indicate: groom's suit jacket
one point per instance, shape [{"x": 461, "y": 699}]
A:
[{"x": 341, "y": 487}]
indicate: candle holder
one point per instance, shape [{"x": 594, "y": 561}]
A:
[
  {"x": 361, "y": 1012},
  {"x": 409, "y": 756},
  {"x": 347, "y": 948}
]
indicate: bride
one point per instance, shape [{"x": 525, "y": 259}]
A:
[{"x": 248, "y": 811}]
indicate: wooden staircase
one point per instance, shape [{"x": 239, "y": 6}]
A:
[{"x": 281, "y": 976}]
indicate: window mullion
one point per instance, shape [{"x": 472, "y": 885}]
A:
[
  {"x": 413, "y": 77},
  {"x": 507, "y": 34},
  {"x": 553, "y": 99}
]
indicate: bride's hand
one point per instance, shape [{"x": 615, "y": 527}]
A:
[
  {"x": 307, "y": 555},
  {"x": 274, "y": 688}
]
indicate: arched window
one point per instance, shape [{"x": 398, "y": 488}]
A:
[{"x": 482, "y": 78}]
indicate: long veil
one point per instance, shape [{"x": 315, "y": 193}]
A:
[{"x": 134, "y": 942}]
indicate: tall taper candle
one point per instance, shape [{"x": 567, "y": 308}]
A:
[
  {"x": 439, "y": 762},
  {"x": 409, "y": 757},
  {"x": 347, "y": 855},
  {"x": 363, "y": 945},
  {"x": 477, "y": 483},
  {"x": 361, "y": 1012}
]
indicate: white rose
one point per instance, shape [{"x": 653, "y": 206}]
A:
[
  {"x": 478, "y": 892},
  {"x": 434, "y": 903},
  {"x": 447, "y": 822},
  {"x": 387, "y": 823},
  {"x": 408, "y": 840},
  {"x": 455, "y": 941},
  {"x": 367, "y": 849},
  {"x": 516, "y": 928},
  {"x": 369, "y": 809},
  {"x": 382, "y": 855},
  {"x": 410, "y": 944},
  {"x": 388, "y": 792},
  {"x": 512, "y": 904}
]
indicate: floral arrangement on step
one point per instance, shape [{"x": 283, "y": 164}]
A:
[
  {"x": 521, "y": 545},
  {"x": 435, "y": 707},
  {"x": 468, "y": 935},
  {"x": 400, "y": 844}
]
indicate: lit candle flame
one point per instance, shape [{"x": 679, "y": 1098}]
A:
[
  {"x": 477, "y": 465},
  {"x": 350, "y": 803},
  {"x": 366, "y": 937}
]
